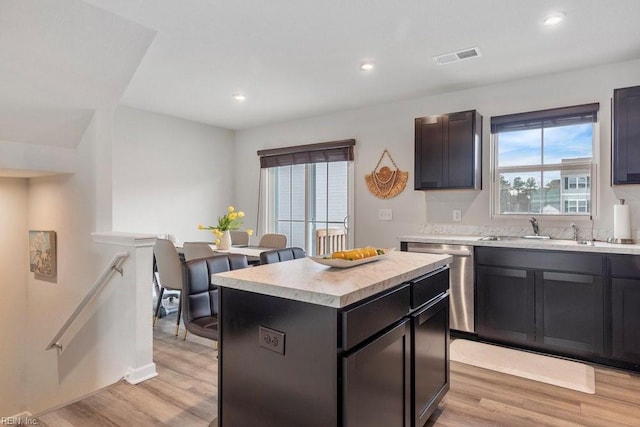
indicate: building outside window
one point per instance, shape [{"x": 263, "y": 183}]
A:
[{"x": 544, "y": 161}]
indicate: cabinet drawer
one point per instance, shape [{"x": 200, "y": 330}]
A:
[
  {"x": 541, "y": 259},
  {"x": 625, "y": 266},
  {"x": 429, "y": 286},
  {"x": 366, "y": 319}
]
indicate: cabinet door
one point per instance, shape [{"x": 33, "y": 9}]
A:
[
  {"x": 625, "y": 308},
  {"x": 626, "y": 136},
  {"x": 448, "y": 151},
  {"x": 505, "y": 299},
  {"x": 459, "y": 167},
  {"x": 429, "y": 358},
  {"x": 376, "y": 382},
  {"x": 429, "y": 154},
  {"x": 570, "y": 312}
]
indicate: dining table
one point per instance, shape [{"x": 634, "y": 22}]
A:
[{"x": 251, "y": 252}]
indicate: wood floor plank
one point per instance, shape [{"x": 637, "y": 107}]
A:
[{"x": 185, "y": 394}]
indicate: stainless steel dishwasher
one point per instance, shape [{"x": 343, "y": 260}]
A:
[{"x": 462, "y": 304}]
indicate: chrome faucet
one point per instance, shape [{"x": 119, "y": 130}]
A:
[
  {"x": 534, "y": 224},
  {"x": 575, "y": 231}
]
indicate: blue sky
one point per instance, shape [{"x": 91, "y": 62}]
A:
[{"x": 522, "y": 148}]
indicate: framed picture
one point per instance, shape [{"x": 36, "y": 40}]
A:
[{"x": 42, "y": 254}]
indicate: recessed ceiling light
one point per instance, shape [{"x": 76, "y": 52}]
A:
[
  {"x": 554, "y": 19},
  {"x": 367, "y": 66},
  {"x": 239, "y": 97}
]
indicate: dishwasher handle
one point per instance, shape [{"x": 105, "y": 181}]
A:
[{"x": 456, "y": 252}]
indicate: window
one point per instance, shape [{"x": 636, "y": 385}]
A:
[
  {"x": 576, "y": 206},
  {"x": 575, "y": 182},
  {"x": 543, "y": 161},
  {"x": 308, "y": 189}
]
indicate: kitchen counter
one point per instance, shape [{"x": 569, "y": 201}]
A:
[
  {"x": 307, "y": 281},
  {"x": 515, "y": 242},
  {"x": 299, "y": 342}
]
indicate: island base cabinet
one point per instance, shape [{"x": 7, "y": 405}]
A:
[
  {"x": 625, "y": 295},
  {"x": 429, "y": 358},
  {"x": 260, "y": 386},
  {"x": 376, "y": 381}
]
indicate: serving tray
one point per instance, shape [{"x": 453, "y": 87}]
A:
[{"x": 343, "y": 263}]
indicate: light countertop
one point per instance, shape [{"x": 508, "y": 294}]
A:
[
  {"x": 305, "y": 280},
  {"x": 551, "y": 244}
]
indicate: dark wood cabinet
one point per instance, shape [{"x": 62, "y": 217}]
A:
[
  {"x": 379, "y": 362},
  {"x": 625, "y": 308},
  {"x": 541, "y": 299},
  {"x": 429, "y": 358},
  {"x": 448, "y": 151},
  {"x": 505, "y": 298},
  {"x": 376, "y": 381},
  {"x": 626, "y": 136},
  {"x": 570, "y": 312}
]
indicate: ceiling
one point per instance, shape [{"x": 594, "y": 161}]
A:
[{"x": 62, "y": 60}]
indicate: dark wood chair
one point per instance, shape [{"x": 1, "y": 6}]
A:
[
  {"x": 279, "y": 255},
  {"x": 200, "y": 297}
]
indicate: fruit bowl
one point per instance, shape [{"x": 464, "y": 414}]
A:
[{"x": 343, "y": 263}]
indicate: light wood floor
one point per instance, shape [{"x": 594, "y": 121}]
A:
[{"x": 185, "y": 394}]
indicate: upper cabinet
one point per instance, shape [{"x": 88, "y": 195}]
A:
[
  {"x": 626, "y": 136},
  {"x": 448, "y": 151}
]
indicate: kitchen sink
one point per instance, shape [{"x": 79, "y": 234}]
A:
[
  {"x": 499, "y": 238},
  {"x": 540, "y": 238}
]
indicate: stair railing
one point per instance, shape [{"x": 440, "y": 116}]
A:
[{"x": 114, "y": 266}]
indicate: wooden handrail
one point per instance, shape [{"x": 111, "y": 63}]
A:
[{"x": 114, "y": 265}]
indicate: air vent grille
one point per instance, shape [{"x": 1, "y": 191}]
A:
[{"x": 461, "y": 55}]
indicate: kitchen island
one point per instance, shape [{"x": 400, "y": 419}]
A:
[{"x": 303, "y": 344}]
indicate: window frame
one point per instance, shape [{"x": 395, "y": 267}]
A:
[
  {"x": 324, "y": 152},
  {"x": 592, "y": 166}
]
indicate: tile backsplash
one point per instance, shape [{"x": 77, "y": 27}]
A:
[{"x": 584, "y": 232}]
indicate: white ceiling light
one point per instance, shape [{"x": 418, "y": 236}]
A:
[
  {"x": 239, "y": 97},
  {"x": 367, "y": 66},
  {"x": 554, "y": 19}
]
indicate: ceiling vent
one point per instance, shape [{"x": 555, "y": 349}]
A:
[{"x": 460, "y": 55}]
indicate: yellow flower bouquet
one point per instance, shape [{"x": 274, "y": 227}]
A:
[{"x": 232, "y": 220}]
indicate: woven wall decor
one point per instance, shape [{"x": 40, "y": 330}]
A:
[{"x": 385, "y": 182}]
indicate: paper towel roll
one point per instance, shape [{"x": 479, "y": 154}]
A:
[{"x": 621, "y": 223}]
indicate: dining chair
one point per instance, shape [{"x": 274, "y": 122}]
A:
[
  {"x": 279, "y": 255},
  {"x": 275, "y": 241},
  {"x": 193, "y": 250},
  {"x": 169, "y": 273},
  {"x": 200, "y": 297},
  {"x": 239, "y": 238}
]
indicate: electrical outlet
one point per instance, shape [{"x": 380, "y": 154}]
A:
[
  {"x": 271, "y": 339},
  {"x": 457, "y": 215},
  {"x": 385, "y": 214}
]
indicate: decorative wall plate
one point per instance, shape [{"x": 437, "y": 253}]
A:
[{"x": 384, "y": 182}]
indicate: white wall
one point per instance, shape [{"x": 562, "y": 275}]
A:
[
  {"x": 98, "y": 349},
  {"x": 169, "y": 174},
  {"x": 391, "y": 126},
  {"x": 13, "y": 288}
]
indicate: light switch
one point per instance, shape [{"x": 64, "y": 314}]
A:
[
  {"x": 385, "y": 214},
  {"x": 457, "y": 215}
]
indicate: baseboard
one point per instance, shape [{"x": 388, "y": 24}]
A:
[{"x": 143, "y": 373}]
